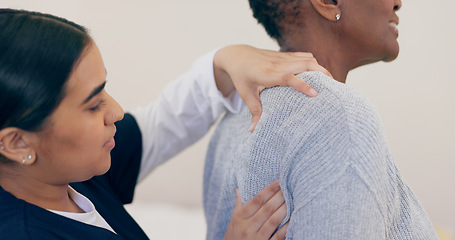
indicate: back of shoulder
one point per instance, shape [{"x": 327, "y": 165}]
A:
[{"x": 336, "y": 103}]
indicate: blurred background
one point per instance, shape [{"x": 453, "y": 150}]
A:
[{"x": 146, "y": 44}]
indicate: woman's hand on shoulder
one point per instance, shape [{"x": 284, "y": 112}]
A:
[
  {"x": 250, "y": 70},
  {"x": 260, "y": 217}
]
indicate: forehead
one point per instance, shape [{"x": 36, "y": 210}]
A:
[{"x": 88, "y": 74}]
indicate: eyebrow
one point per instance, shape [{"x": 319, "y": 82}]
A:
[{"x": 95, "y": 92}]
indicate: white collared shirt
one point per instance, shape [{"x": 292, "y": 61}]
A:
[{"x": 90, "y": 215}]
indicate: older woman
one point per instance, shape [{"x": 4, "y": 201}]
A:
[
  {"x": 337, "y": 174},
  {"x": 58, "y": 177}
]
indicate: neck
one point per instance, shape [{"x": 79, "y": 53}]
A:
[
  {"x": 44, "y": 195},
  {"x": 322, "y": 41}
]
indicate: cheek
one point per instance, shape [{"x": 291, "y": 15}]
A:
[
  {"x": 78, "y": 139},
  {"x": 77, "y": 153},
  {"x": 367, "y": 31},
  {"x": 87, "y": 140}
]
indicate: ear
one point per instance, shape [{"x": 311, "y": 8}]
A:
[
  {"x": 15, "y": 146},
  {"x": 328, "y": 8}
]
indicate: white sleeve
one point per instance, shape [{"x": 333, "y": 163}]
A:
[{"x": 183, "y": 113}]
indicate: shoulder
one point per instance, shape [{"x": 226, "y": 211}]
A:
[
  {"x": 12, "y": 213},
  {"x": 337, "y": 128},
  {"x": 334, "y": 97},
  {"x": 337, "y": 106},
  {"x": 22, "y": 220},
  {"x": 338, "y": 113}
]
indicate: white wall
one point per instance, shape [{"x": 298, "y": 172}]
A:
[{"x": 146, "y": 44}]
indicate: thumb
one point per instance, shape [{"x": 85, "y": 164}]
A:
[
  {"x": 255, "y": 119},
  {"x": 255, "y": 106},
  {"x": 238, "y": 203}
]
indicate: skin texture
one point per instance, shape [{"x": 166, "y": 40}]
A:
[
  {"x": 83, "y": 150},
  {"x": 363, "y": 34},
  {"x": 74, "y": 146}
]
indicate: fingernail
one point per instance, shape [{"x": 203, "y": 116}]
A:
[
  {"x": 313, "y": 93},
  {"x": 251, "y": 128},
  {"x": 278, "y": 187},
  {"x": 277, "y": 182}
]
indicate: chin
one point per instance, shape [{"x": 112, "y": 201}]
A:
[
  {"x": 389, "y": 59},
  {"x": 392, "y": 54},
  {"x": 101, "y": 167},
  {"x": 106, "y": 166}
]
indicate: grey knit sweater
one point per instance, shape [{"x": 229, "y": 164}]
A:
[{"x": 329, "y": 152}]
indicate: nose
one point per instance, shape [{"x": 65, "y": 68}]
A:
[
  {"x": 114, "y": 111},
  {"x": 397, "y": 5}
]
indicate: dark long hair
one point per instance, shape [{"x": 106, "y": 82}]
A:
[{"x": 37, "y": 55}]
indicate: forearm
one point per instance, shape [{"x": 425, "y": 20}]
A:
[{"x": 183, "y": 113}]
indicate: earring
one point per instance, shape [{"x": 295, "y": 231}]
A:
[
  {"x": 337, "y": 16},
  {"x": 1, "y": 146},
  {"x": 29, "y": 157},
  {"x": 113, "y": 116}
]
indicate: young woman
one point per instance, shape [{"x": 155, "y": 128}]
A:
[{"x": 58, "y": 126}]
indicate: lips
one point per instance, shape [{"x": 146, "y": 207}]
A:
[
  {"x": 111, "y": 142},
  {"x": 393, "y": 25}
]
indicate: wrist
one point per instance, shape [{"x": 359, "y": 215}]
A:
[{"x": 222, "y": 78}]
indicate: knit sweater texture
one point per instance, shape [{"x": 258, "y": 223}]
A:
[{"x": 336, "y": 172}]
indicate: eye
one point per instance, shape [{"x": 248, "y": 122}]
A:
[{"x": 98, "y": 106}]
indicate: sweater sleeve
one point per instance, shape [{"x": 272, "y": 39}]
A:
[{"x": 345, "y": 209}]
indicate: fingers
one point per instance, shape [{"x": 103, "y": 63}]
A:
[
  {"x": 254, "y": 104},
  {"x": 261, "y": 199},
  {"x": 300, "y": 85},
  {"x": 291, "y": 80},
  {"x": 298, "y": 62},
  {"x": 325, "y": 71},
  {"x": 256, "y": 115},
  {"x": 266, "y": 213},
  {"x": 250, "y": 70},
  {"x": 239, "y": 203},
  {"x": 281, "y": 233},
  {"x": 255, "y": 107},
  {"x": 259, "y": 218},
  {"x": 304, "y": 65},
  {"x": 302, "y": 54},
  {"x": 276, "y": 211}
]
